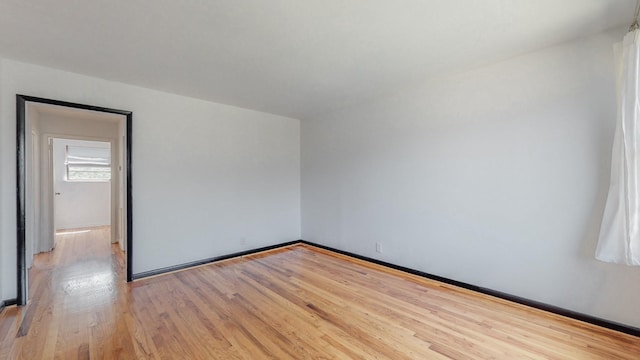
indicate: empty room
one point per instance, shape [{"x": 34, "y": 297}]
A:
[{"x": 338, "y": 179}]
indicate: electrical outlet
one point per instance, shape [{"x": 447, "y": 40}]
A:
[{"x": 378, "y": 248}]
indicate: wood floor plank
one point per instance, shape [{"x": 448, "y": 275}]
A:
[{"x": 298, "y": 302}]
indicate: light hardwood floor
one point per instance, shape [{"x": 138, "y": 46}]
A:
[{"x": 293, "y": 303}]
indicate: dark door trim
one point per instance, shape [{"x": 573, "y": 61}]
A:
[{"x": 21, "y": 103}]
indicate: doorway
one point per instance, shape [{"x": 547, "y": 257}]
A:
[
  {"x": 82, "y": 182},
  {"x": 35, "y": 198}
]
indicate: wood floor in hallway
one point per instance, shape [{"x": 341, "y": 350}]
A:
[{"x": 298, "y": 302}]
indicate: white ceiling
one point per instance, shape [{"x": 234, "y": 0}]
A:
[
  {"x": 73, "y": 113},
  {"x": 291, "y": 57}
]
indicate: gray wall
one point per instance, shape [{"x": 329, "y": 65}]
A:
[
  {"x": 496, "y": 177},
  {"x": 208, "y": 179}
]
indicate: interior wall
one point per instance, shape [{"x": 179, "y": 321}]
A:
[
  {"x": 32, "y": 180},
  {"x": 4, "y": 192},
  {"x": 80, "y": 204},
  {"x": 121, "y": 213},
  {"x": 208, "y": 179},
  {"x": 496, "y": 177}
]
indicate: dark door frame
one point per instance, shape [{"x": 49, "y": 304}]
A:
[{"x": 21, "y": 103}]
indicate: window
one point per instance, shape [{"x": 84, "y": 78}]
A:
[{"x": 85, "y": 163}]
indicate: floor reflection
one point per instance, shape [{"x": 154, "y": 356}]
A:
[{"x": 81, "y": 268}]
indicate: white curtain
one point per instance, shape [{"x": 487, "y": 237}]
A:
[
  {"x": 619, "y": 240},
  {"x": 86, "y": 155}
]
